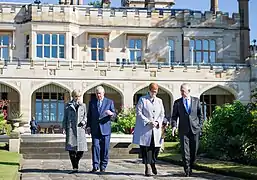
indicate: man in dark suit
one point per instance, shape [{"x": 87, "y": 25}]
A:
[
  {"x": 100, "y": 113},
  {"x": 188, "y": 110}
]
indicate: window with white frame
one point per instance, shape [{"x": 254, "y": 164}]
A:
[
  {"x": 27, "y": 42},
  {"x": 4, "y": 47},
  {"x": 135, "y": 46},
  {"x": 203, "y": 50},
  {"x": 97, "y": 48},
  {"x": 171, "y": 44},
  {"x": 50, "y": 46}
]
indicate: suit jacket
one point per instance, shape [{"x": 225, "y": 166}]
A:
[
  {"x": 99, "y": 120},
  {"x": 187, "y": 121}
]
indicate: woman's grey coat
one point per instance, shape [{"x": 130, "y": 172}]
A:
[
  {"x": 75, "y": 134},
  {"x": 148, "y": 111}
]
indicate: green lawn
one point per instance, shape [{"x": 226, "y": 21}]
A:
[
  {"x": 9, "y": 164},
  {"x": 223, "y": 167}
]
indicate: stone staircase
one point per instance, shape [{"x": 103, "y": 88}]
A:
[{"x": 51, "y": 146}]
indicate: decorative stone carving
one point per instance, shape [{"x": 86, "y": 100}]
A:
[
  {"x": 35, "y": 83},
  {"x": 102, "y": 72},
  {"x": 14, "y": 83},
  {"x": 233, "y": 86},
  {"x": 136, "y": 85},
  {"x": 85, "y": 84},
  {"x": 203, "y": 87},
  {"x": 69, "y": 84},
  {"x": 119, "y": 85}
]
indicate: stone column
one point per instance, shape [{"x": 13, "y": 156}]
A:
[
  {"x": 68, "y": 36},
  {"x": 128, "y": 95}
]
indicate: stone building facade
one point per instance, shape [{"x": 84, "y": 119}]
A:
[{"x": 48, "y": 50}]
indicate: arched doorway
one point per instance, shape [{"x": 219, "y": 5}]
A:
[
  {"x": 110, "y": 93},
  {"x": 10, "y": 95},
  {"x": 163, "y": 94},
  {"x": 213, "y": 97},
  {"x": 47, "y": 106}
]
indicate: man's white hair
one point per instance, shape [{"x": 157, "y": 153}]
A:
[
  {"x": 185, "y": 85},
  {"x": 99, "y": 89}
]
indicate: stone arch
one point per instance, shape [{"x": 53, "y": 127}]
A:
[
  {"x": 49, "y": 83},
  {"x": 226, "y": 88},
  {"x": 10, "y": 92},
  {"x": 216, "y": 96},
  {"x": 163, "y": 93},
  {"x": 47, "y": 105},
  {"x": 111, "y": 91}
]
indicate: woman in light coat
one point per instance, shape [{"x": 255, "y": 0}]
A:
[
  {"x": 74, "y": 125},
  {"x": 148, "y": 133}
]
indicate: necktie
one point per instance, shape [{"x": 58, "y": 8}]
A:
[
  {"x": 99, "y": 105},
  {"x": 187, "y": 107}
]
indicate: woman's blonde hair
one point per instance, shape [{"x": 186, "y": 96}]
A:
[{"x": 75, "y": 93}]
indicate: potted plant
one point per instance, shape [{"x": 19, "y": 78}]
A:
[{"x": 106, "y": 3}]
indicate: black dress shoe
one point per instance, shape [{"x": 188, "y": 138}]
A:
[
  {"x": 102, "y": 170},
  {"x": 187, "y": 175},
  {"x": 147, "y": 172},
  {"x": 154, "y": 170},
  {"x": 94, "y": 170}
]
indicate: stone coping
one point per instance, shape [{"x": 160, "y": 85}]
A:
[{"x": 4, "y": 139}]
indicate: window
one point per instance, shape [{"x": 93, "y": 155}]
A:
[
  {"x": 49, "y": 107},
  {"x": 27, "y": 42},
  {"x": 50, "y": 45},
  {"x": 136, "y": 49},
  {"x": 171, "y": 51},
  {"x": 204, "y": 51},
  {"x": 97, "y": 49},
  {"x": 4, "y": 47},
  {"x": 73, "y": 47}
]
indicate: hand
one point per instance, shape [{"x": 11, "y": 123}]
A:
[
  {"x": 81, "y": 124},
  {"x": 108, "y": 112},
  {"x": 156, "y": 124},
  {"x": 63, "y": 131},
  {"x": 88, "y": 130},
  {"x": 173, "y": 131}
]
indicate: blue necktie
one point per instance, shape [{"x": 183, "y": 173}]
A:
[
  {"x": 99, "y": 105},
  {"x": 187, "y": 108}
]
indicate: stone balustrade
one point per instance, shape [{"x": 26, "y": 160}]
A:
[{"x": 140, "y": 17}]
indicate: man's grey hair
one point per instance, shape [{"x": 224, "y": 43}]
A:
[
  {"x": 185, "y": 85},
  {"x": 99, "y": 89},
  {"x": 75, "y": 93}
]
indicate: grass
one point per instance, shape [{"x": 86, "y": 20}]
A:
[
  {"x": 9, "y": 164},
  {"x": 211, "y": 165}
]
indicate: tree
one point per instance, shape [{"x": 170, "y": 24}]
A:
[{"x": 96, "y": 4}]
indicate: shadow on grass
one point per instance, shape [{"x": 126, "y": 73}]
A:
[{"x": 9, "y": 163}]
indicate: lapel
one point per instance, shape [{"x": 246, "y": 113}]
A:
[
  {"x": 191, "y": 104},
  {"x": 72, "y": 105},
  {"x": 103, "y": 106}
]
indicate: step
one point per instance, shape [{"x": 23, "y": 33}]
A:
[{"x": 87, "y": 155}]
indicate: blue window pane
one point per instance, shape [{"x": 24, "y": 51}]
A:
[
  {"x": 101, "y": 55},
  {"x": 54, "y": 39},
  {"x": 139, "y": 55},
  {"x": 39, "y": 51},
  {"x": 60, "y": 110},
  {"x": 101, "y": 43},
  {"x": 46, "y": 110},
  {"x": 61, "y": 52},
  {"x": 132, "y": 55},
  {"x": 205, "y": 45},
  {"x": 212, "y": 45},
  {"x": 198, "y": 45},
  {"x": 93, "y": 55},
  {"x": 38, "y": 110},
  {"x": 172, "y": 57},
  {"x": 212, "y": 57},
  {"x": 138, "y": 43},
  {"x": 54, "y": 51},
  {"x": 198, "y": 57},
  {"x": 205, "y": 57},
  {"x": 5, "y": 54},
  {"x": 171, "y": 45},
  {"x": 39, "y": 39},
  {"x": 47, "y": 39},
  {"x": 131, "y": 43},
  {"x": 192, "y": 44},
  {"x": 94, "y": 43},
  {"x": 47, "y": 51},
  {"x": 53, "y": 110},
  {"x": 61, "y": 39},
  {"x": 6, "y": 40}
]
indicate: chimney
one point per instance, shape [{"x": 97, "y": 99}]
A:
[{"x": 214, "y": 6}]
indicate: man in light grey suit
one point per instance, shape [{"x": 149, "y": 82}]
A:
[{"x": 188, "y": 110}]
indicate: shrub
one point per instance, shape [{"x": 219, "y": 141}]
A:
[
  {"x": 230, "y": 134},
  {"x": 125, "y": 122}
]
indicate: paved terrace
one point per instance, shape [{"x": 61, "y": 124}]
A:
[{"x": 117, "y": 169}]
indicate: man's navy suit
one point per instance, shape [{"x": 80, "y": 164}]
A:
[{"x": 100, "y": 125}]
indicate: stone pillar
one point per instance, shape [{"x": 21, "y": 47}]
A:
[
  {"x": 244, "y": 29},
  {"x": 214, "y": 6},
  {"x": 33, "y": 41},
  {"x": 68, "y": 37},
  {"x": 128, "y": 95}
]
